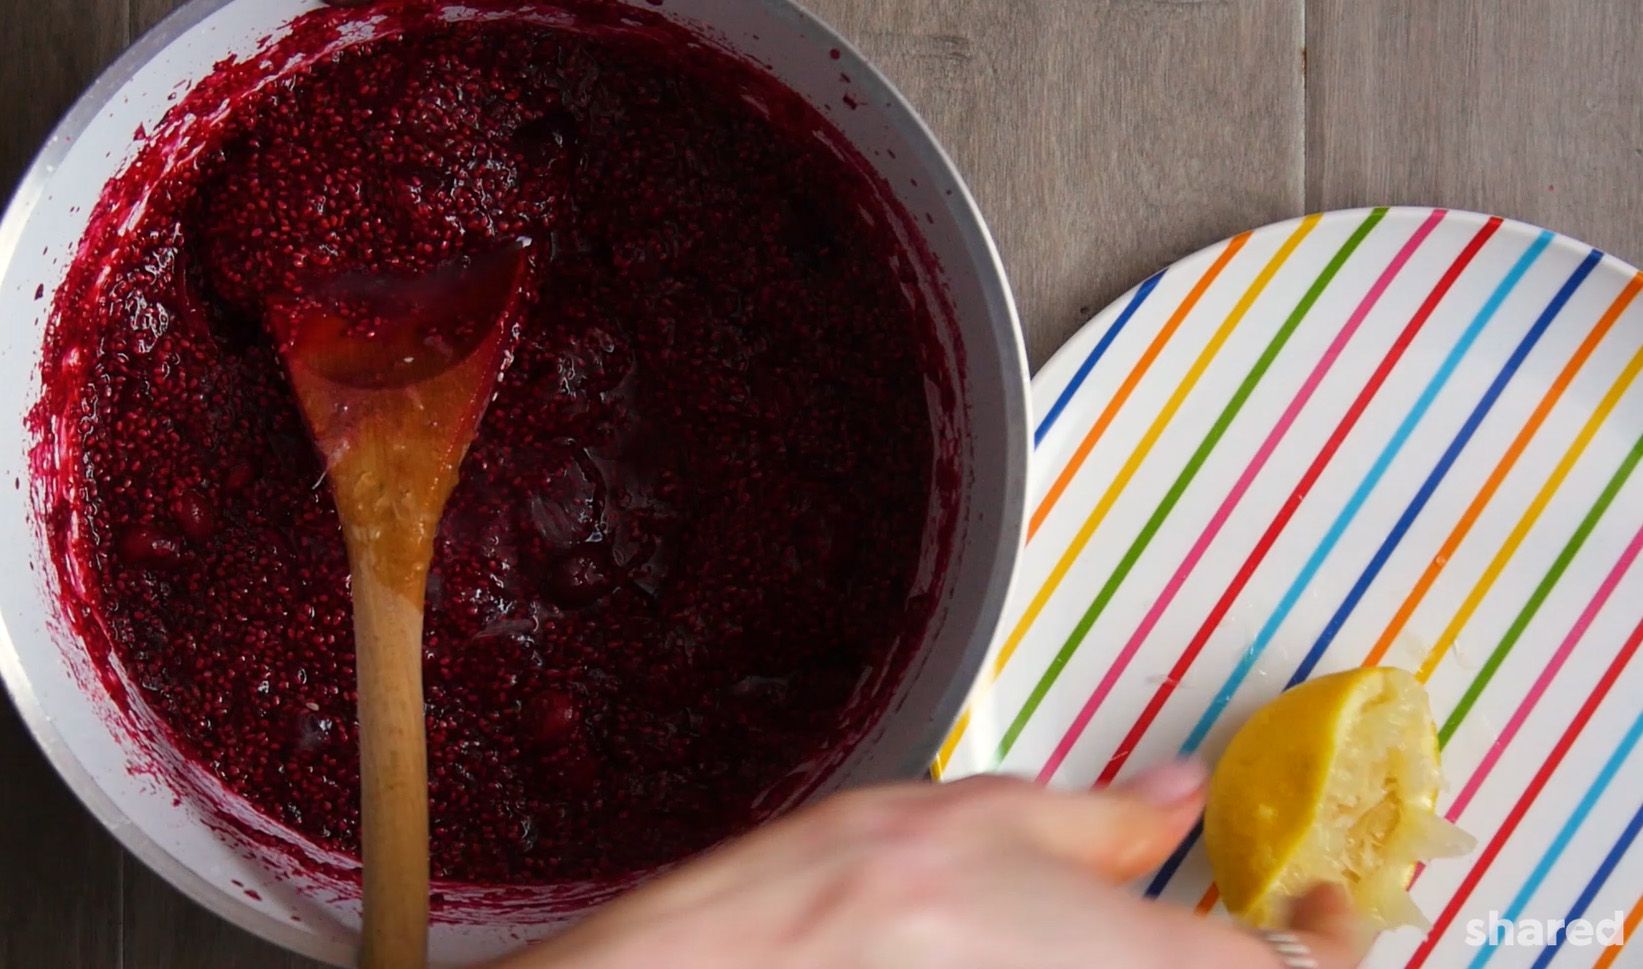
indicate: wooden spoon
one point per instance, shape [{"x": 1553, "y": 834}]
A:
[{"x": 393, "y": 376}]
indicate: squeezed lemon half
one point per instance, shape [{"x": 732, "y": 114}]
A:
[{"x": 1335, "y": 780}]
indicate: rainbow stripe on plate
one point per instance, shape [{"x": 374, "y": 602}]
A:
[{"x": 1402, "y": 436}]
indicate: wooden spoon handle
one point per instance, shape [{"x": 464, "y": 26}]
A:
[
  {"x": 393, "y": 774},
  {"x": 393, "y": 408}
]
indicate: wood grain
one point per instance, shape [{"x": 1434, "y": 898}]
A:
[
  {"x": 164, "y": 930},
  {"x": 144, "y": 14},
  {"x": 1526, "y": 108},
  {"x": 49, "y": 51},
  {"x": 1103, "y": 138},
  {"x": 60, "y": 894}
]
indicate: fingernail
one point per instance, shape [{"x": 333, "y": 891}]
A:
[{"x": 1167, "y": 784}]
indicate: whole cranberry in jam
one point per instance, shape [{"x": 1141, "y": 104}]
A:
[
  {"x": 194, "y": 515},
  {"x": 552, "y": 717},
  {"x": 149, "y": 547}
]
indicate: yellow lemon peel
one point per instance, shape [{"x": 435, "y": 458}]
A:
[{"x": 1333, "y": 781}]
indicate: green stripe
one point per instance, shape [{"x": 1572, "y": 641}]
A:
[
  {"x": 1544, "y": 589},
  {"x": 1165, "y": 506}
]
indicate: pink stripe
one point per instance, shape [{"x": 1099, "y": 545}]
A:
[
  {"x": 1125, "y": 655},
  {"x": 1547, "y": 675}
]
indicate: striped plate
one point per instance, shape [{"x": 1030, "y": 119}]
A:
[{"x": 1400, "y": 436}]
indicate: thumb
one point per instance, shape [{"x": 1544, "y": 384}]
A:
[
  {"x": 1326, "y": 918},
  {"x": 1123, "y": 831}
]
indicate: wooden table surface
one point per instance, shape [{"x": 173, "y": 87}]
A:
[{"x": 1103, "y": 138}]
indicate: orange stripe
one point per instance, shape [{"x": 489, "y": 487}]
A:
[
  {"x": 1612, "y": 953},
  {"x": 1128, "y": 386},
  {"x": 1498, "y": 475},
  {"x": 1211, "y": 896},
  {"x": 1531, "y": 514}
]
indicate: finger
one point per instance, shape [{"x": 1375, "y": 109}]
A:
[
  {"x": 1326, "y": 919},
  {"x": 828, "y": 834},
  {"x": 1142, "y": 820},
  {"x": 1224, "y": 946},
  {"x": 1146, "y": 934},
  {"x": 1119, "y": 833}
]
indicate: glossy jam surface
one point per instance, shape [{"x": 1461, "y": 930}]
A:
[{"x": 676, "y": 573}]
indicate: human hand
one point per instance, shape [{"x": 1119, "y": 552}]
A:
[{"x": 985, "y": 873}]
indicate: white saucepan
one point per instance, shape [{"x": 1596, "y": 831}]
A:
[{"x": 169, "y": 812}]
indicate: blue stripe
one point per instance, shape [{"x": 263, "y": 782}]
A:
[
  {"x": 1390, "y": 543},
  {"x": 1376, "y": 472},
  {"x": 1140, "y": 296},
  {"x": 1555, "y": 850},
  {"x": 1592, "y": 887},
  {"x": 1156, "y": 886},
  {"x": 1343, "y": 519}
]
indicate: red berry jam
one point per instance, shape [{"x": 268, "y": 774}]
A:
[{"x": 689, "y": 527}]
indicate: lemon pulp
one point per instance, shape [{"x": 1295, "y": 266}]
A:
[{"x": 1334, "y": 781}]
